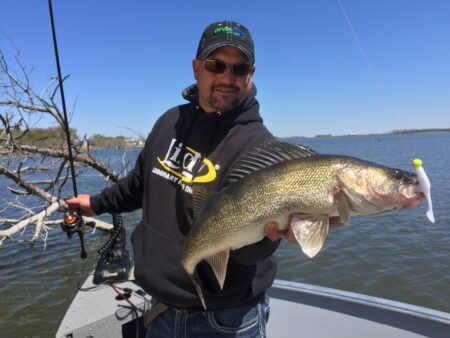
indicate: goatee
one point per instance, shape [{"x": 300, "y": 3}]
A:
[{"x": 226, "y": 100}]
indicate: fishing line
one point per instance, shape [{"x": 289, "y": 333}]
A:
[
  {"x": 373, "y": 74},
  {"x": 417, "y": 163}
]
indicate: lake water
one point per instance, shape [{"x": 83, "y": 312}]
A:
[{"x": 399, "y": 256}]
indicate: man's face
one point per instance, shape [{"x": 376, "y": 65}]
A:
[{"x": 222, "y": 91}]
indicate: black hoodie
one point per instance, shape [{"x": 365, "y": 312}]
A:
[{"x": 188, "y": 144}]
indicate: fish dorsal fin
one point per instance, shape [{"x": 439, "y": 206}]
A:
[
  {"x": 200, "y": 194},
  {"x": 266, "y": 155}
]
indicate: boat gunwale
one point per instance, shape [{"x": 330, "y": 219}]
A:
[{"x": 352, "y": 297}]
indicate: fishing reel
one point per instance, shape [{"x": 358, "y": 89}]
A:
[
  {"x": 114, "y": 263},
  {"x": 73, "y": 223}
]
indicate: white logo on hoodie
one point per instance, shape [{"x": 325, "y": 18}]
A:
[{"x": 180, "y": 165}]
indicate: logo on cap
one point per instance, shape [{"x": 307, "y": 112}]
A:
[{"x": 228, "y": 30}]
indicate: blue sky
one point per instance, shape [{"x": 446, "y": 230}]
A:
[{"x": 130, "y": 60}]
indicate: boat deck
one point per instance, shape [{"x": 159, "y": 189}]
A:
[{"x": 297, "y": 310}]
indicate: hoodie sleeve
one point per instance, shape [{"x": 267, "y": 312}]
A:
[{"x": 125, "y": 195}]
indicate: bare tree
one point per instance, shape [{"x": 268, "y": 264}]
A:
[{"x": 22, "y": 157}]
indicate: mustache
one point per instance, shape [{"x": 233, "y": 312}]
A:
[{"x": 224, "y": 86}]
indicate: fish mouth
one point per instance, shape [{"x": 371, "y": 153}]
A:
[
  {"x": 414, "y": 200},
  {"x": 404, "y": 196},
  {"x": 411, "y": 196}
]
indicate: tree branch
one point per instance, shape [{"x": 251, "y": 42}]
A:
[
  {"x": 78, "y": 157},
  {"x": 22, "y": 110}
]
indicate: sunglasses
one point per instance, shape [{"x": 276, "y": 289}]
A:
[{"x": 216, "y": 66}]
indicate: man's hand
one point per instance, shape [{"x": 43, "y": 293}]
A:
[
  {"x": 273, "y": 233},
  {"x": 81, "y": 204}
]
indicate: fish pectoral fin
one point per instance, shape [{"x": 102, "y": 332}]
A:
[
  {"x": 343, "y": 208},
  {"x": 310, "y": 232},
  {"x": 219, "y": 263}
]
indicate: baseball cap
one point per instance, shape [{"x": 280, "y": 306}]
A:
[{"x": 226, "y": 33}]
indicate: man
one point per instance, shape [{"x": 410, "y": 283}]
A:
[{"x": 197, "y": 143}]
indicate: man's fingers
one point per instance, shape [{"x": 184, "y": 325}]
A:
[
  {"x": 71, "y": 201},
  {"x": 335, "y": 222},
  {"x": 288, "y": 234},
  {"x": 271, "y": 231},
  {"x": 81, "y": 204}
]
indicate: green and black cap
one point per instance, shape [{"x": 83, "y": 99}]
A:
[{"x": 226, "y": 33}]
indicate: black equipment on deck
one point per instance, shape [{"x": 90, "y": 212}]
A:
[{"x": 115, "y": 263}]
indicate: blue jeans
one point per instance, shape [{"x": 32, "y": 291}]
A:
[{"x": 243, "y": 322}]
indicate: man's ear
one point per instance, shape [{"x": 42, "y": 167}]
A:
[{"x": 195, "y": 67}]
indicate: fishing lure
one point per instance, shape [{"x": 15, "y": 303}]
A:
[{"x": 425, "y": 185}]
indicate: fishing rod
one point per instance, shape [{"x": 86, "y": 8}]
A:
[
  {"x": 73, "y": 222},
  {"x": 115, "y": 261}
]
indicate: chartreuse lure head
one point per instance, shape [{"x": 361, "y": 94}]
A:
[
  {"x": 417, "y": 162},
  {"x": 425, "y": 185}
]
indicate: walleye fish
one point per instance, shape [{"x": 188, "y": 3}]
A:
[{"x": 280, "y": 179}]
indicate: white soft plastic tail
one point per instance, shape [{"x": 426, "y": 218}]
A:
[{"x": 426, "y": 188}]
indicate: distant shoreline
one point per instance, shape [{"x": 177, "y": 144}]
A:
[
  {"x": 394, "y": 132},
  {"x": 112, "y": 147}
]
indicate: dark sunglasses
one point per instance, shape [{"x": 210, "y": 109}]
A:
[{"x": 216, "y": 66}]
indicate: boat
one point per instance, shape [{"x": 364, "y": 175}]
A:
[{"x": 296, "y": 310}]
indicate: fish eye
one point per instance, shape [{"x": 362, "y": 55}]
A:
[{"x": 397, "y": 174}]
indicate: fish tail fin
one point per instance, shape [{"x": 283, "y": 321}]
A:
[{"x": 199, "y": 290}]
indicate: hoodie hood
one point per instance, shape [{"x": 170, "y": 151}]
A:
[{"x": 246, "y": 112}]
